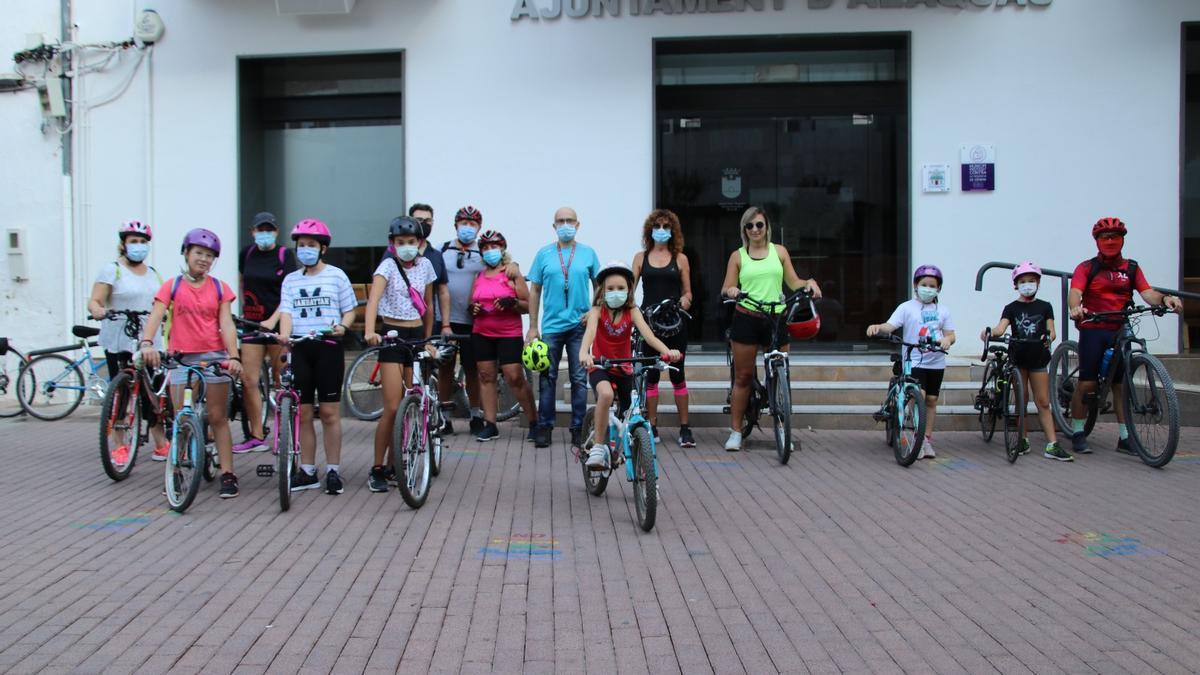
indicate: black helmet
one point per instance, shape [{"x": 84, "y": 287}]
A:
[
  {"x": 665, "y": 319},
  {"x": 404, "y": 226}
]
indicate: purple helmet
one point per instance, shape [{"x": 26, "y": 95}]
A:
[
  {"x": 928, "y": 271},
  {"x": 201, "y": 237}
]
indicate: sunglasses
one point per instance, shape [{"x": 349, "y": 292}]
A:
[{"x": 756, "y": 225}]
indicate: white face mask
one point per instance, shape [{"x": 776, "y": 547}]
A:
[
  {"x": 1028, "y": 289},
  {"x": 927, "y": 294}
]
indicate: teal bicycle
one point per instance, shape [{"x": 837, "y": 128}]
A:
[
  {"x": 903, "y": 408},
  {"x": 51, "y": 386},
  {"x": 190, "y": 456},
  {"x": 630, "y": 442}
]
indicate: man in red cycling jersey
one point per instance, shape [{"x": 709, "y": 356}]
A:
[{"x": 1105, "y": 284}]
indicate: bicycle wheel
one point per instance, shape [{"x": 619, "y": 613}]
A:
[
  {"x": 891, "y": 431},
  {"x": 645, "y": 479},
  {"x": 462, "y": 402},
  {"x": 781, "y": 410},
  {"x": 910, "y": 425},
  {"x": 755, "y": 403},
  {"x": 120, "y": 426},
  {"x": 594, "y": 481},
  {"x": 50, "y": 387},
  {"x": 509, "y": 406},
  {"x": 409, "y": 457},
  {"x": 183, "y": 465},
  {"x": 985, "y": 401},
  {"x": 434, "y": 437},
  {"x": 1151, "y": 410},
  {"x": 363, "y": 386},
  {"x": 10, "y": 367},
  {"x": 285, "y": 442},
  {"x": 1064, "y": 378},
  {"x": 1012, "y": 407}
]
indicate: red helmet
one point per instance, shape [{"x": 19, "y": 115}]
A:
[
  {"x": 1108, "y": 225},
  {"x": 806, "y": 329},
  {"x": 492, "y": 237},
  {"x": 310, "y": 227},
  {"x": 134, "y": 227},
  {"x": 469, "y": 213}
]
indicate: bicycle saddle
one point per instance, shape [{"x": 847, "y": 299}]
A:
[{"x": 84, "y": 332}]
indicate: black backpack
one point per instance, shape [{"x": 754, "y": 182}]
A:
[{"x": 1096, "y": 266}]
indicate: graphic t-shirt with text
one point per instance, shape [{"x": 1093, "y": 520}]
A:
[{"x": 316, "y": 301}]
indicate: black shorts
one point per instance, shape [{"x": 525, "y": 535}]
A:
[
  {"x": 749, "y": 329},
  {"x": 466, "y": 350},
  {"x": 506, "y": 350},
  {"x": 622, "y": 384},
  {"x": 1092, "y": 343},
  {"x": 397, "y": 354},
  {"x": 1033, "y": 358},
  {"x": 317, "y": 371},
  {"x": 930, "y": 379},
  {"x": 676, "y": 341}
]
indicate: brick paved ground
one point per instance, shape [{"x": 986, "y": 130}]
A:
[{"x": 840, "y": 561}]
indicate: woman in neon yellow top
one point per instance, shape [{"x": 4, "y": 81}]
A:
[{"x": 759, "y": 268}]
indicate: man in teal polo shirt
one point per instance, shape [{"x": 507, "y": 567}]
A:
[{"x": 560, "y": 293}]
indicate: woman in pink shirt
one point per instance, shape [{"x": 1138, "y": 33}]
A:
[{"x": 498, "y": 299}]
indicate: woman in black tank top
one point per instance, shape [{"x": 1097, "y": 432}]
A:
[{"x": 665, "y": 273}]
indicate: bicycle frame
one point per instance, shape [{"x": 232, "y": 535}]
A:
[
  {"x": 622, "y": 429},
  {"x": 92, "y": 382}
]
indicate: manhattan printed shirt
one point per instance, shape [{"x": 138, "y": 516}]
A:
[{"x": 316, "y": 301}]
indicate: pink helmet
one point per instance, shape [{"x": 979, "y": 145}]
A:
[
  {"x": 134, "y": 227},
  {"x": 310, "y": 227},
  {"x": 1027, "y": 267},
  {"x": 201, "y": 237}
]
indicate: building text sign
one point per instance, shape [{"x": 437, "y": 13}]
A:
[{"x": 578, "y": 9}]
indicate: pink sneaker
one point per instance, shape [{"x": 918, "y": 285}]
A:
[
  {"x": 160, "y": 453},
  {"x": 251, "y": 444},
  {"x": 120, "y": 456}
]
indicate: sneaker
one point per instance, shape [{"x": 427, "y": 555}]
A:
[
  {"x": 251, "y": 444},
  {"x": 476, "y": 424},
  {"x": 1053, "y": 451},
  {"x": 927, "y": 450},
  {"x": 488, "y": 432},
  {"x": 333, "y": 483},
  {"x": 377, "y": 481},
  {"x": 1024, "y": 449},
  {"x": 541, "y": 437},
  {"x": 447, "y": 428},
  {"x": 305, "y": 481},
  {"x": 1079, "y": 443},
  {"x": 735, "y": 441},
  {"x": 161, "y": 452},
  {"x": 577, "y": 438},
  {"x": 120, "y": 456},
  {"x": 389, "y": 474},
  {"x": 1125, "y": 448},
  {"x": 229, "y": 486},
  {"x": 532, "y": 435},
  {"x": 654, "y": 431},
  {"x": 685, "y": 437},
  {"x": 598, "y": 458}
]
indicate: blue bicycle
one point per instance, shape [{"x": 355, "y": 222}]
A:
[
  {"x": 903, "y": 408},
  {"x": 190, "y": 456},
  {"x": 51, "y": 386},
  {"x": 630, "y": 442}
]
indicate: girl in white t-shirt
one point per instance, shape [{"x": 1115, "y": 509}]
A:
[{"x": 922, "y": 318}]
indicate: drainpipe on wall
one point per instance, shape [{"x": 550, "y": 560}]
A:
[{"x": 68, "y": 158}]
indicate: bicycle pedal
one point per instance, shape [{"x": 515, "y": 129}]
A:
[{"x": 265, "y": 470}]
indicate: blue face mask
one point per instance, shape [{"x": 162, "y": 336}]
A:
[
  {"x": 660, "y": 236},
  {"x": 264, "y": 239},
  {"x": 616, "y": 299},
  {"x": 466, "y": 233},
  {"x": 927, "y": 294},
  {"x": 137, "y": 252},
  {"x": 566, "y": 233},
  {"x": 307, "y": 255},
  {"x": 492, "y": 257},
  {"x": 406, "y": 253}
]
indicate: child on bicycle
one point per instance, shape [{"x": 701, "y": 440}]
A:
[
  {"x": 924, "y": 318},
  {"x": 1032, "y": 319},
  {"x": 609, "y": 334},
  {"x": 201, "y": 331},
  {"x": 317, "y": 299},
  {"x": 402, "y": 295}
]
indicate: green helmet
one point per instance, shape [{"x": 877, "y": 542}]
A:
[{"x": 536, "y": 356}]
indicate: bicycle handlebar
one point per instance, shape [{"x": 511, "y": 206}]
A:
[
  {"x": 767, "y": 307},
  {"x": 1157, "y": 310},
  {"x": 930, "y": 344},
  {"x": 657, "y": 362}
]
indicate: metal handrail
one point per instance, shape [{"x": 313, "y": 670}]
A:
[{"x": 1066, "y": 288}]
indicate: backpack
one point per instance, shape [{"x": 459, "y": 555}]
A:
[
  {"x": 1095, "y": 268},
  {"x": 156, "y": 274},
  {"x": 250, "y": 249}
]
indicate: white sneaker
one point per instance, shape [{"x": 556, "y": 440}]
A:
[
  {"x": 735, "y": 441},
  {"x": 598, "y": 457},
  {"x": 927, "y": 450}
]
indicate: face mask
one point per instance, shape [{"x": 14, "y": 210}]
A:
[
  {"x": 406, "y": 253},
  {"x": 660, "y": 236},
  {"x": 137, "y": 252},
  {"x": 1028, "y": 289},
  {"x": 307, "y": 255},
  {"x": 616, "y": 299},
  {"x": 566, "y": 233},
  {"x": 492, "y": 257},
  {"x": 466, "y": 234},
  {"x": 264, "y": 239},
  {"x": 1111, "y": 248},
  {"x": 927, "y": 294}
]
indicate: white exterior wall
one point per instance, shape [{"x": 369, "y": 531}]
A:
[{"x": 1081, "y": 100}]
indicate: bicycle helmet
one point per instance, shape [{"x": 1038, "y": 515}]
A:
[
  {"x": 665, "y": 320},
  {"x": 492, "y": 237},
  {"x": 469, "y": 213},
  {"x": 134, "y": 227},
  {"x": 404, "y": 226},
  {"x": 804, "y": 329},
  {"x": 1108, "y": 225},
  {"x": 201, "y": 237},
  {"x": 928, "y": 271},
  {"x": 1027, "y": 267},
  {"x": 536, "y": 356},
  {"x": 615, "y": 267},
  {"x": 310, "y": 227}
]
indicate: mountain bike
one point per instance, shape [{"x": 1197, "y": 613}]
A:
[
  {"x": 630, "y": 442},
  {"x": 774, "y": 393},
  {"x": 1002, "y": 393},
  {"x": 1151, "y": 405},
  {"x": 190, "y": 455},
  {"x": 51, "y": 386},
  {"x": 363, "y": 390},
  {"x": 136, "y": 398},
  {"x": 903, "y": 408},
  {"x": 11, "y": 360}
]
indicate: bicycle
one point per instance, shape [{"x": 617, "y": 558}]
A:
[
  {"x": 254, "y": 333},
  {"x": 636, "y": 442},
  {"x": 1002, "y": 393},
  {"x": 51, "y": 386},
  {"x": 1150, "y": 396},
  {"x": 774, "y": 393},
  {"x": 190, "y": 455},
  {"x": 904, "y": 404},
  {"x": 10, "y": 359}
]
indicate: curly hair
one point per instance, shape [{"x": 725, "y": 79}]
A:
[{"x": 675, "y": 245}]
